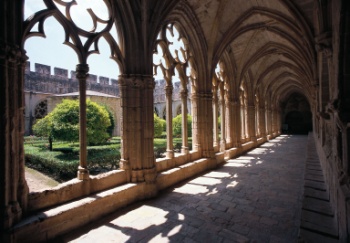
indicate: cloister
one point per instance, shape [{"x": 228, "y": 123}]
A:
[{"x": 247, "y": 70}]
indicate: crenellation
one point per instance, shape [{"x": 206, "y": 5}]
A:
[
  {"x": 104, "y": 80},
  {"x": 42, "y": 81},
  {"x": 60, "y": 72},
  {"x": 73, "y": 75},
  {"x": 92, "y": 78},
  {"x": 42, "y": 69}
]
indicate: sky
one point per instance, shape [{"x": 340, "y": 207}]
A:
[{"x": 50, "y": 50}]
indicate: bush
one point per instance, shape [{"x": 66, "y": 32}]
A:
[
  {"x": 111, "y": 119},
  {"x": 62, "y": 163},
  {"x": 159, "y": 126},
  {"x": 63, "y": 123},
  {"x": 177, "y": 125}
]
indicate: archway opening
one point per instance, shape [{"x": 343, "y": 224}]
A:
[{"x": 297, "y": 116}]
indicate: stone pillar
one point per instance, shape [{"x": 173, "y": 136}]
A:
[
  {"x": 236, "y": 127},
  {"x": 273, "y": 121},
  {"x": 262, "y": 121},
  {"x": 229, "y": 118},
  {"x": 137, "y": 131},
  {"x": 184, "y": 147},
  {"x": 13, "y": 187},
  {"x": 195, "y": 141},
  {"x": 251, "y": 122},
  {"x": 215, "y": 117},
  {"x": 223, "y": 120},
  {"x": 205, "y": 125},
  {"x": 169, "y": 120},
  {"x": 82, "y": 74},
  {"x": 147, "y": 123}
]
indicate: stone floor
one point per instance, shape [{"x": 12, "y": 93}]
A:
[{"x": 256, "y": 197}]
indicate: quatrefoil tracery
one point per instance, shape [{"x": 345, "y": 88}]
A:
[
  {"x": 172, "y": 57},
  {"x": 83, "y": 42}
]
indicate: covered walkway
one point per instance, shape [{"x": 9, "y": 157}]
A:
[{"x": 253, "y": 198}]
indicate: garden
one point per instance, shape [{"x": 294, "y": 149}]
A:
[{"x": 54, "y": 149}]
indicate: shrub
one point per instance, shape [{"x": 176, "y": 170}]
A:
[
  {"x": 177, "y": 125},
  {"x": 159, "y": 126},
  {"x": 63, "y": 122},
  {"x": 62, "y": 163},
  {"x": 111, "y": 119}
]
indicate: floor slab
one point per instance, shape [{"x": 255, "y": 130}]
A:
[{"x": 256, "y": 197}]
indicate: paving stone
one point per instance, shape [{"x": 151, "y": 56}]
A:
[
  {"x": 316, "y": 185},
  {"x": 314, "y": 193},
  {"x": 318, "y": 223},
  {"x": 313, "y": 177},
  {"x": 312, "y": 237},
  {"x": 316, "y": 205},
  {"x": 256, "y": 203}
]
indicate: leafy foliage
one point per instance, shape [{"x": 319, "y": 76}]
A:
[
  {"x": 177, "y": 125},
  {"x": 112, "y": 120},
  {"x": 62, "y": 163},
  {"x": 63, "y": 122},
  {"x": 159, "y": 126}
]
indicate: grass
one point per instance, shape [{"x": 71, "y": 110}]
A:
[{"x": 61, "y": 164}]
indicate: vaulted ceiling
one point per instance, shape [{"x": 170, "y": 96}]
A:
[{"x": 269, "y": 42}]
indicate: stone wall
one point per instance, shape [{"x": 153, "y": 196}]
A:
[
  {"x": 58, "y": 82},
  {"x": 42, "y": 85}
]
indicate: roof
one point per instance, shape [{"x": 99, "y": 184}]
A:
[{"x": 88, "y": 93}]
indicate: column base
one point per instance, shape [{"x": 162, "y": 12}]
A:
[
  {"x": 222, "y": 145},
  {"x": 184, "y": 150},
  {"x": 170, "y": 154},
  {"x": 83, "y": 173}
]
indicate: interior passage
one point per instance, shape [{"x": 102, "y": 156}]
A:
[{"x": 257, "y": 196}]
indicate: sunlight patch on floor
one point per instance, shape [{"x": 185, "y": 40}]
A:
[
  {"x": 217, "y": 174},
  {"x": 191, "y": 189},
  {"x": 205, "y": 181}
]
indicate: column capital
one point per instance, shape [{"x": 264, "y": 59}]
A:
[
  {"x": 183, "y": 93},
  {"x": 168, "y": 89},
  {"x": 136, "y": 81},
  {"x": 12, "y": 53},
  {"x": 82, "y": 71}
]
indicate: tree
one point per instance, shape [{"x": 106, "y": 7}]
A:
[
  {"x": 43, "y": 128},
  {"x": 159, "y": 126},
  {"x": 63, "y": 122},
  {"x": 112, "y": 120},
  {"x": 177, "y": 125}
]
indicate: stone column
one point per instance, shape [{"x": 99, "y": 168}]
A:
[
  {"x": 262, "y": 122},
  {"x": 236, "y": 127},
  {"x": 273, "y": 121},
  {"x": 195, "y": 141},
  {"x": 251, "y": 123},
  {"x": 184, "y": 147},
  {"x": 229, "y": 118},
  {"x": 205, "y": 126},
  {"x": 137, "y": 131},
  {"x": 82, "y": 74},
  {"x": 215, "y": 117},
  {"x": 13, "y": 187},
  {"x": 169, "y": 120},
  {"x": 223, "y": 120},
  {"x": 147, "y": 122}
]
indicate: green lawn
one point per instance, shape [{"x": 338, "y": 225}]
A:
[{"x": 61, "y": 164}]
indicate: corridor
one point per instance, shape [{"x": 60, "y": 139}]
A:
[{"x": 256, "y": 197}]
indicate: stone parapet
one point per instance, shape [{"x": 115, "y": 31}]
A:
[{"x": 59, "y": 82}]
